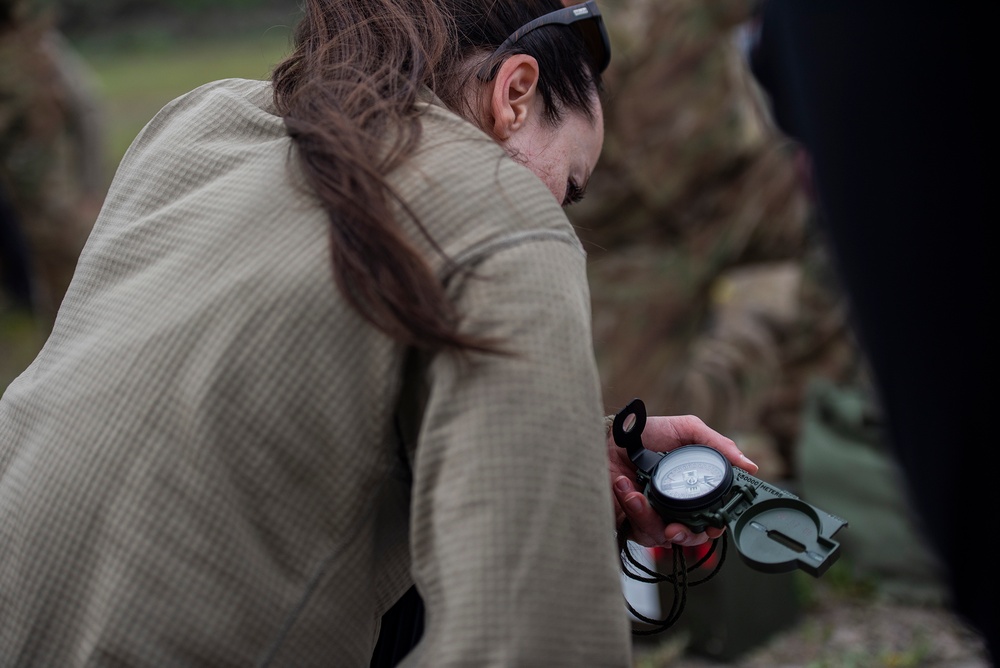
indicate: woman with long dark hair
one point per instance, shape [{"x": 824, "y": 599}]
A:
[{"x": 329, "y": 340}]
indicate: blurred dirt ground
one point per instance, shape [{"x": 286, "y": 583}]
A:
[{"x": 839, "y": 630}]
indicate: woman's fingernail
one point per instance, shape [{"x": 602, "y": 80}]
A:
[
  {"x": 748, "y": 460},
  {"x": 622, "y": 484},
  {"x": 679, "y": 537},
  {"x": 634, "y": 503}
]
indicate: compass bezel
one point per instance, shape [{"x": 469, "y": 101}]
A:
[{"x": 680, "y": 508}]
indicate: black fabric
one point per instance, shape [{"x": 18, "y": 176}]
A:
[
  {"x": 890, "y": 100},
  {"x": 15, "y": 271},
  {"x": 402, "y": 627}
]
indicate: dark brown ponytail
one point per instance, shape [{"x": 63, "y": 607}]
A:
[{"x": 348, "y": 95}]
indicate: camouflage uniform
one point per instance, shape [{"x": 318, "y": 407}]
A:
[
  {"x": 50, "y": 145},
  {"x": 51, "y": 181},
  {"x": 712, "y": 290},
  {"x": 698, "y": 230}
]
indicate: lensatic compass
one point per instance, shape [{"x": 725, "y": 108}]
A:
[{"x": 773, "y": 530}]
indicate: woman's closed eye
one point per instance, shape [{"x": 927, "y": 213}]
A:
[{"x": 574, "y": 193}]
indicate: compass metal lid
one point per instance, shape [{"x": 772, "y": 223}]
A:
[{"x": 784, "y": 533}]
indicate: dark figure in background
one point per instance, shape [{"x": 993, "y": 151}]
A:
[
  {"x": 51, "y": 176},
  {"x": 15, "y": 273},
  {"x": 887, "y": 100}
]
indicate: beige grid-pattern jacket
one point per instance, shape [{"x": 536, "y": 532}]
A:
[{"x": 215, "y": 462}]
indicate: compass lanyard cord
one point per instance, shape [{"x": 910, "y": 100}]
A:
[{"x": 678, "y": 579}]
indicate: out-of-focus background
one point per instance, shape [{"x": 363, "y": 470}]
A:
[
  {"x": 78, "y": 80},
  {"x": 712, "y": 294}
]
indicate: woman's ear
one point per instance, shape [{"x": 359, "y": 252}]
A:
[{"x": 513, "y": 95}]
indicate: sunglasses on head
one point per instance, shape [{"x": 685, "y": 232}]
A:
[{"x": 585, "y": 17}]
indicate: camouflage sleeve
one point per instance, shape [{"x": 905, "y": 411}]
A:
[{"x": 696, "y": 221}]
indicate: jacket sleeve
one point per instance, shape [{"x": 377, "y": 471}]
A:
[{"x": 512, "y": 527}]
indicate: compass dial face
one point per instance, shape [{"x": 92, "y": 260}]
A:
[{"x": 690, "y": 473}]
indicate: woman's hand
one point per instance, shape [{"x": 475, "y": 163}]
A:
[{"x": 662, "y": 434}]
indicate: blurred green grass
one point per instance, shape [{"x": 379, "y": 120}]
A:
[{"x": 135, "y": 78}]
